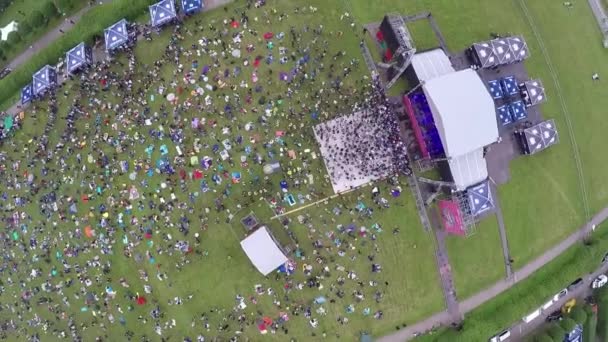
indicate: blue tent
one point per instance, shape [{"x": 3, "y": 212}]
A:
[
  {"x": 495, "y": 89},
  {"x": 116, "y": 35},
  {"x": 27, "y": 94},
  {"x": 44, "y": 79},
  {"x": 509, "y": 85},
  {"x": 192, "y": 6},
  {"x": 480, "y": 198},
  {"x": 80, "y": 56},
  {"x": 518, "y": 110},
  {"x": 162, "y": 12},
  {"x": 504, "y": 116}
]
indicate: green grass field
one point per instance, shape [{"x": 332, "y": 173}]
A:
[
  {"x": 220, "y": 270},
  {"x": 542, "y": 203},
  {"x": 476, "y": 260}
]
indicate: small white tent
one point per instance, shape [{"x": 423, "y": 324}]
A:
[{"x": 263, "y": 251}]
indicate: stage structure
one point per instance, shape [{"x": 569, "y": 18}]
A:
[{"x": 400, "y": 47}]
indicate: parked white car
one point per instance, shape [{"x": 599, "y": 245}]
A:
[
  {"x": 599, "y": 281},
  {"x": 503, "y": 336}
]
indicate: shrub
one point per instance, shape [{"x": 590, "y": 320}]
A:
[
  {"x": 556, "y": 332},
  {"x": 25, "y": 27},
  {"x": 66, "y": 5},
  {"x": 590, "y": 328},
  {"x": 13, "y": 38},
  {"x": 50, "y": 10},
  {"x": 578, "y": 314},
  {"x": 37, "y": 19},
  {"x": 568, "y": 324},
  {"x": 543, "y": 338},
  {"x": 603, "y": 319}
]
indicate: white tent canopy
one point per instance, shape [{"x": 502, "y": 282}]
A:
[
  {"x": 263, "y": 251},
  {"x": 463, "y": 112},
  {"x": 431, "y": 64},
  {"x": 464, "y": 115}
]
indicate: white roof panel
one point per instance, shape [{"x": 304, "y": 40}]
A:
[
  {"x": 263, "y": 251},
  {"x": 463, "y": 112},
  {"x": 431, "y": 64},
  {"x": 468, "y": 169}
]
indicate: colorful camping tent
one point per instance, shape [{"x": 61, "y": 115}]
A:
[
  {"x": 116, "y": 35},
  {"x": 162, "y": 12},
  {"x": 78, "y": 57}
]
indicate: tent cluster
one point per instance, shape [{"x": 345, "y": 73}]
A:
[{"x": 117, "y": 35}]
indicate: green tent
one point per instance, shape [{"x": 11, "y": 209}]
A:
[
  {"x": 365, "y": 337},
  {"x": 8, "y": 122}
]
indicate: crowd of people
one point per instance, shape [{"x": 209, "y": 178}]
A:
[
  {"x": 112, "y": 184},
  {"x": 364, "y": 146}
]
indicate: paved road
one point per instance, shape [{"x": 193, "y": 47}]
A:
[
  {"x": 521, "y": 329},
  {"x": 51, "y": 36},
  {"x": 443, "y": 318}
]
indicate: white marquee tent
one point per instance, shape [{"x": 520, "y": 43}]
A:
[{"x": 263, "y": 251}]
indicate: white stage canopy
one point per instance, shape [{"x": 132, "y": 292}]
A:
[{"x": 263, "y": 251}]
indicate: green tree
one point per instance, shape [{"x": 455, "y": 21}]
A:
[
  {"x": 578, "y": 314},
  {"x": 568, "y": 324},
  {"x": 556, "y": 332},
  {"x": 36, "y": 19},
  {"x": 50, "y": 10},
  {"x": 590, "y": 328},
  {"x": 66, "y": 5},
  {"x": 25, "y": 27},
  {"x": 543, "y": 338},
  {"x": 13, "y": 38}
]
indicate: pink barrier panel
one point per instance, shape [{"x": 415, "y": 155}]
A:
[
  {"x": 451, "y": 217},
  {"x": 417, "y": 132}
]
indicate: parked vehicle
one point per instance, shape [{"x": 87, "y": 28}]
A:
[
  {"x": 548, "y": 304},
  {"x": 575, "y": 284},
  {"x": 559, "y": 295},
  {"x": 501, "y": 337},
  {"x": 568, "y": 306},
  {"x": 529, "y": 318},
  {"x": 600, "y": 281},
  {"x": 5, "y": 72}
]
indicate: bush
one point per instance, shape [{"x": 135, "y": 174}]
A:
[
  {"x": 37, "y": 19},
  {"x": 66, "y": 5},
  {"x": 568, "y": 324},
  {"x": 91, "y": 24},
  {"x": 556, "y": 332},
  {"x": 578, "y": 314},
  {"x": 603, "y": 319},
  {"x": 590, "y": 329},
  {"x": 25, "y": 27},
  {"x": 50, "y": 10},
  {"x": 543, "y": 338},
  {"x": 13, "y": 38}
]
